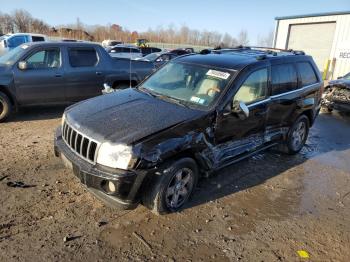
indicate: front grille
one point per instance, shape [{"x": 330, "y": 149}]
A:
[{"x": 80, "y": 144}]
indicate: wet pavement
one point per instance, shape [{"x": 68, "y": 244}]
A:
[{"x": 265, "y": 208}]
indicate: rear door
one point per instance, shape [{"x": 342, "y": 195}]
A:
[
  {"x": 85, "y": 74},
  {"x": 43, "y": 82},
  {"x": 284, "y": 83},
  {"x": 235, "y": 136}
]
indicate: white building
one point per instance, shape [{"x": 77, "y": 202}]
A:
[{"x": 325, "y": 36}]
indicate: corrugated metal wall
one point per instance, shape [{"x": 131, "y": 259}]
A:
[{"x": 340, "y": 49}]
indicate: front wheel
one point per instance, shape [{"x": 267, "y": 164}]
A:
[
  {"x": 172, "y": 187},
  {"x": 297, "y": 135},
  {"x": 5, "y": 107}
]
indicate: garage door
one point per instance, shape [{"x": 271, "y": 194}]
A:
[{"x": 314, "y": 39}]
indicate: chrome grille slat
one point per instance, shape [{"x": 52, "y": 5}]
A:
[
  {"x": 75, "y": 142},
  {"x": 81, "y": 145}
]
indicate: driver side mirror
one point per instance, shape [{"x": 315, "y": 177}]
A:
[
  {"x": 23, "y": 65},
  {"x": 241, "y": 109}
]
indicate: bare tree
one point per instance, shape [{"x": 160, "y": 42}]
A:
[
  {"x": 6, "y": 24},
  {"x": 266, "y": 40},
  {"x": 243, "y": 38},
  {"x": 22, "y": 20}
]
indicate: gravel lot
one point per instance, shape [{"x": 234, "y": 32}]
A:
[{"x": 265, "y": 208}]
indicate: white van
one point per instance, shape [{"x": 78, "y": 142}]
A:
[{"x": 10, "y": 41}]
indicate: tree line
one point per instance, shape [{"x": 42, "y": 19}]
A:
[{"x": 22, "y": 21}]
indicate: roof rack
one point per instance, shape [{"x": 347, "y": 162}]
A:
[{"x": 263, "y": 50}]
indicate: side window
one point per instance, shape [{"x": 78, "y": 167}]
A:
[
  {"x": 284, "y": 78},
  {"x": 82, "y": 57},
  {"x": 16, "y": 41},
  {"x": 307, "y": 74},
  {"x": 50, "y": 58},
  {"x": 254, "y": 87}
]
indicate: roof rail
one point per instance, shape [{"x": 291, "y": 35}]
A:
[{"x": 269, "y": 50}]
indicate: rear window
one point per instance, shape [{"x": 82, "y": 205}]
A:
[
  {"x": 307, "y": 74},
  {"x": 284, "y": 78},
  {"x": 82, "y": 57},
  {"x": 38, "y": 38}
]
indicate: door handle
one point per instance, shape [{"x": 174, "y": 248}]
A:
[
  {"x": 58, "y": 75},
  {"x": 98, "y": 73}
]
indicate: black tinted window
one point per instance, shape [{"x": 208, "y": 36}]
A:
[
  {"x": 38, "y": 38},
  {"x": 307, "y": 74},
  {"x": 82, "y": 57},
  {"x": 284, "y": 78}
]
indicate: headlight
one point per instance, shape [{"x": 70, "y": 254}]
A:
[{"x": 114, "y": 155}]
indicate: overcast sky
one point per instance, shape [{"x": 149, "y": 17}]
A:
[{"x": 257, "y": 17}]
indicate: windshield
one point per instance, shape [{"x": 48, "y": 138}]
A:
[
  {"x": 12, "y": 56},
  {"x": 192, "y": 84},
  {"x": 347, "y": 77}
]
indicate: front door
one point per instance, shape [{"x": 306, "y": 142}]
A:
[
  {"x": 235, "y": 136},
  {"x": 43, "y": 81}
]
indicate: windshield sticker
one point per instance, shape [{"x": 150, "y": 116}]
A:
[
  {"x": 218, "y": 74},
  {"x": 197, "y": 100}
]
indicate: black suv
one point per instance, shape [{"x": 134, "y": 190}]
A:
[{"x": 195, "y": 115}]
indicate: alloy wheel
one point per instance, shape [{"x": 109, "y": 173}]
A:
[
  {"x": 298, "y": 135},
  {"x": 179, "y": 188}
]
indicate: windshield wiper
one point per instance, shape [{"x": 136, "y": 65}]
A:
[
  {"x": 146, "y": 91},
  {"x": 172, "y": 99},
  {"x": 163, "y": 97}
]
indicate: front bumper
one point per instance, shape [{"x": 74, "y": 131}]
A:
[{"x": 95, "y": 177}]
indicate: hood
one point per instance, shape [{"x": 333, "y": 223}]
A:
[
  {"x": 341, "y": 82},
  {"x": 126, "y": 116}
]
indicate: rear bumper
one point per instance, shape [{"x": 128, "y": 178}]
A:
[{"x": 96, "y": 178}]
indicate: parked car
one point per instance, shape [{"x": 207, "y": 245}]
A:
[
  {"x": 182, "y": 51},
  {"x": 109, "y": 43},
  {"x": 124, "y": 51},
  {"x": 337, "y": 94},
  {"x": 61, "y": 72},
  {"x": 149, "y": 50},
  {"x": 158, "y": 59},
  {"x": 11, "y": 41},
  {"x": 195, "y": 115}
]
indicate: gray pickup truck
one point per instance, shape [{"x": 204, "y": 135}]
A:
[{"x": 62, "y": 73}]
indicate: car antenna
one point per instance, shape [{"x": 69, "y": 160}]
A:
[{"x": 130, "y": 63}]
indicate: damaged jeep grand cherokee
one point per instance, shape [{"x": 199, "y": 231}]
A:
[{"x": 195, "y": 115}]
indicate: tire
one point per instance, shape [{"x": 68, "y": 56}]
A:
[
  {"x": 169, "y": 190},
  {"x": 5, "y": 107},
  {"x": 297, "y": 135}
]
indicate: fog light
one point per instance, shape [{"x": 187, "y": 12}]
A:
[
  {"x": 111, "y": 187},
  {"x": 108, "y": 186}
]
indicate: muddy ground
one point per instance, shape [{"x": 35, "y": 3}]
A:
[{"x": 265, "y": 208}]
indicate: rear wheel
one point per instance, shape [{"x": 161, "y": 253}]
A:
[
  {"x": 297, "y": 135},
  {"x": 170, "y": 190},
  {"x": 5, "y": 107}
]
